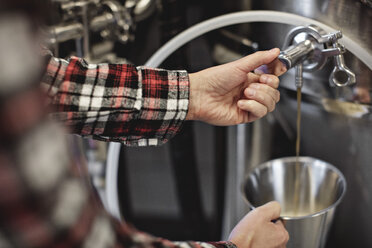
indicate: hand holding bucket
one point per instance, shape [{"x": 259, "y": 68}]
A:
[
  {"x": 257, "y": 228},
  {"x": 308, "y": 192}
]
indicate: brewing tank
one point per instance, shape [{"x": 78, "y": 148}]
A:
[{"x": 336, "y": 121}]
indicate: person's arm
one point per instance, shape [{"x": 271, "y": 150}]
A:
[
  {"x": 259, "y": 228},
  {"x": 219, "y": 95},
  {"x": 128, "y": 236},
  {"x": 117, "y": 102},
  {"x": 144, "y": 106}
]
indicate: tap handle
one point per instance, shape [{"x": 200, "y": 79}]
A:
[
  {"x": 341, "y": 74},
  {"x": 331, "y": 37}
]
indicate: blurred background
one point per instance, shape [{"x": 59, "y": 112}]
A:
[{"x": 190, "y": 188}]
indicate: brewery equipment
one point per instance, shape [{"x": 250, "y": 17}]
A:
[
  {"x": 336, "y": 121},
  {"x": 238, "y": 149},
  {"x": 79, "y": 20},
  {"x": 309, "y": 47}
]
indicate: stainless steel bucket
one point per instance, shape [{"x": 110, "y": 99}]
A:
[{"x": 308, "y": 193}]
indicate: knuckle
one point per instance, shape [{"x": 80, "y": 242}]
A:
[
  {"x": 261, "y": 97},
  {"x": 257, "y": 86},
  {"x": 273, "y": 103},
  {"x": 276, "y": 205},
  {"x": 285, "y": 236},
  {"x": 259, "y": 213},
  {"x": 277, "y": 96},
  {"x": 249, "y": 104},
  {"x": 276, "y": 81},
  {"x": 264, "y": 112},
  {"x": 282, "y": 236},
  {"x": 272, "y": 107}
]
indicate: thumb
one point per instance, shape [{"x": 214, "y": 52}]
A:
[
  {"x": 251, "y": 62},
  {"x": 271, "y": 210}
]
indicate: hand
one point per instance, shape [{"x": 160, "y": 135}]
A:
[
  {"x": 231, "y": 94},
  {"x": 256, "y": 229}
]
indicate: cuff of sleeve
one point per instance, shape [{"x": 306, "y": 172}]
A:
[
  {"x": 223, "y": 244},
  {"x": 165, "y": 101},
  {"x": 54, "y": 74}
]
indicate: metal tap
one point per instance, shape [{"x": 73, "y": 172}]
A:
[
  {"x": 109, "y": 17},
  {"x": 310, "y": 47}
]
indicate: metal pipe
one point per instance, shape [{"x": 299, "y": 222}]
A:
[
  {"x": 65, "y": 32},
  {"x": 70, "y": 31},
  {"x": 101, "y": 22},
  {"x": 298, "y": 77},
  {"x": 86, "y": 32}
]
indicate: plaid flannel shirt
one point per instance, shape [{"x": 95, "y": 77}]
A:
[
  {"x": 118, "y": 102},
  {"x": 46, "y": 199}
]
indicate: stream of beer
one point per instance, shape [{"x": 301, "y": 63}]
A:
[
  {"x": 298, "y": 124},
  {"x": 298, "y": 138}
]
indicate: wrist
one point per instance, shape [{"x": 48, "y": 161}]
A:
[
  {"x": 223, "y": 244},
  {"x": 241, "y": 239},
  {"x": 230, "y": 244},
  {"x": 194, "y": 97}
]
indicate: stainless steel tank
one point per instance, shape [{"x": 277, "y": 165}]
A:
[{"x": 336, "y": 122}]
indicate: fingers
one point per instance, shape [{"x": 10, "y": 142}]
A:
[
  {"x": 275, "y": 67},
  {"x": 262, "y": 88},
  {"x": 262, "y": 62},
  {"x": 270, "y": 80},
  {"x": 279, "y": 223},
  {"x": 264, "y": 94},
  {"x": 278, "y": 68},
  {"x": 271, "y": 210},
  {"x": 251, "y": 62},
  {"x": 282, "y": 232},
  {"x": 256, "y": 229},
  {"x": 261, "y": 96},
  {"x": 255, "y": 108}
]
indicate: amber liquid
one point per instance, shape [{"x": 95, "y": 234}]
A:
[
  {"x": 298, "y": 124},
  {"x": 297, "y": 166}
]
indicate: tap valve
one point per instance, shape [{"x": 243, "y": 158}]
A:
[{"x": 311, "y": 47}]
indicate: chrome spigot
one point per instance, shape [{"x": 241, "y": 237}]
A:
[
  {"x": 299, "y": 80},
  {"x": 297, "y": 54},
  {"x": 311, "y": 47}
]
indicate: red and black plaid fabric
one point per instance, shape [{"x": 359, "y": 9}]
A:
[
  {"x": 46, "y": 199},
  {"x": 118, "y": 102}
]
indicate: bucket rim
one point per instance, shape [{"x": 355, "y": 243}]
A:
[{"x": 301, "y": 158}]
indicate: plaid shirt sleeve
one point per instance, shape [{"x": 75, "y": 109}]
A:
[
  {"x": 130, "y": 237},
  {"x": 113, "y": 102},
  {"x": 137, "y": 106},
  {"x": 46, "y": 197},
  {"x": 46, "y": 200}
]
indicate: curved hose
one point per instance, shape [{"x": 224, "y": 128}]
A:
[{"x": 246, "y": 17}]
